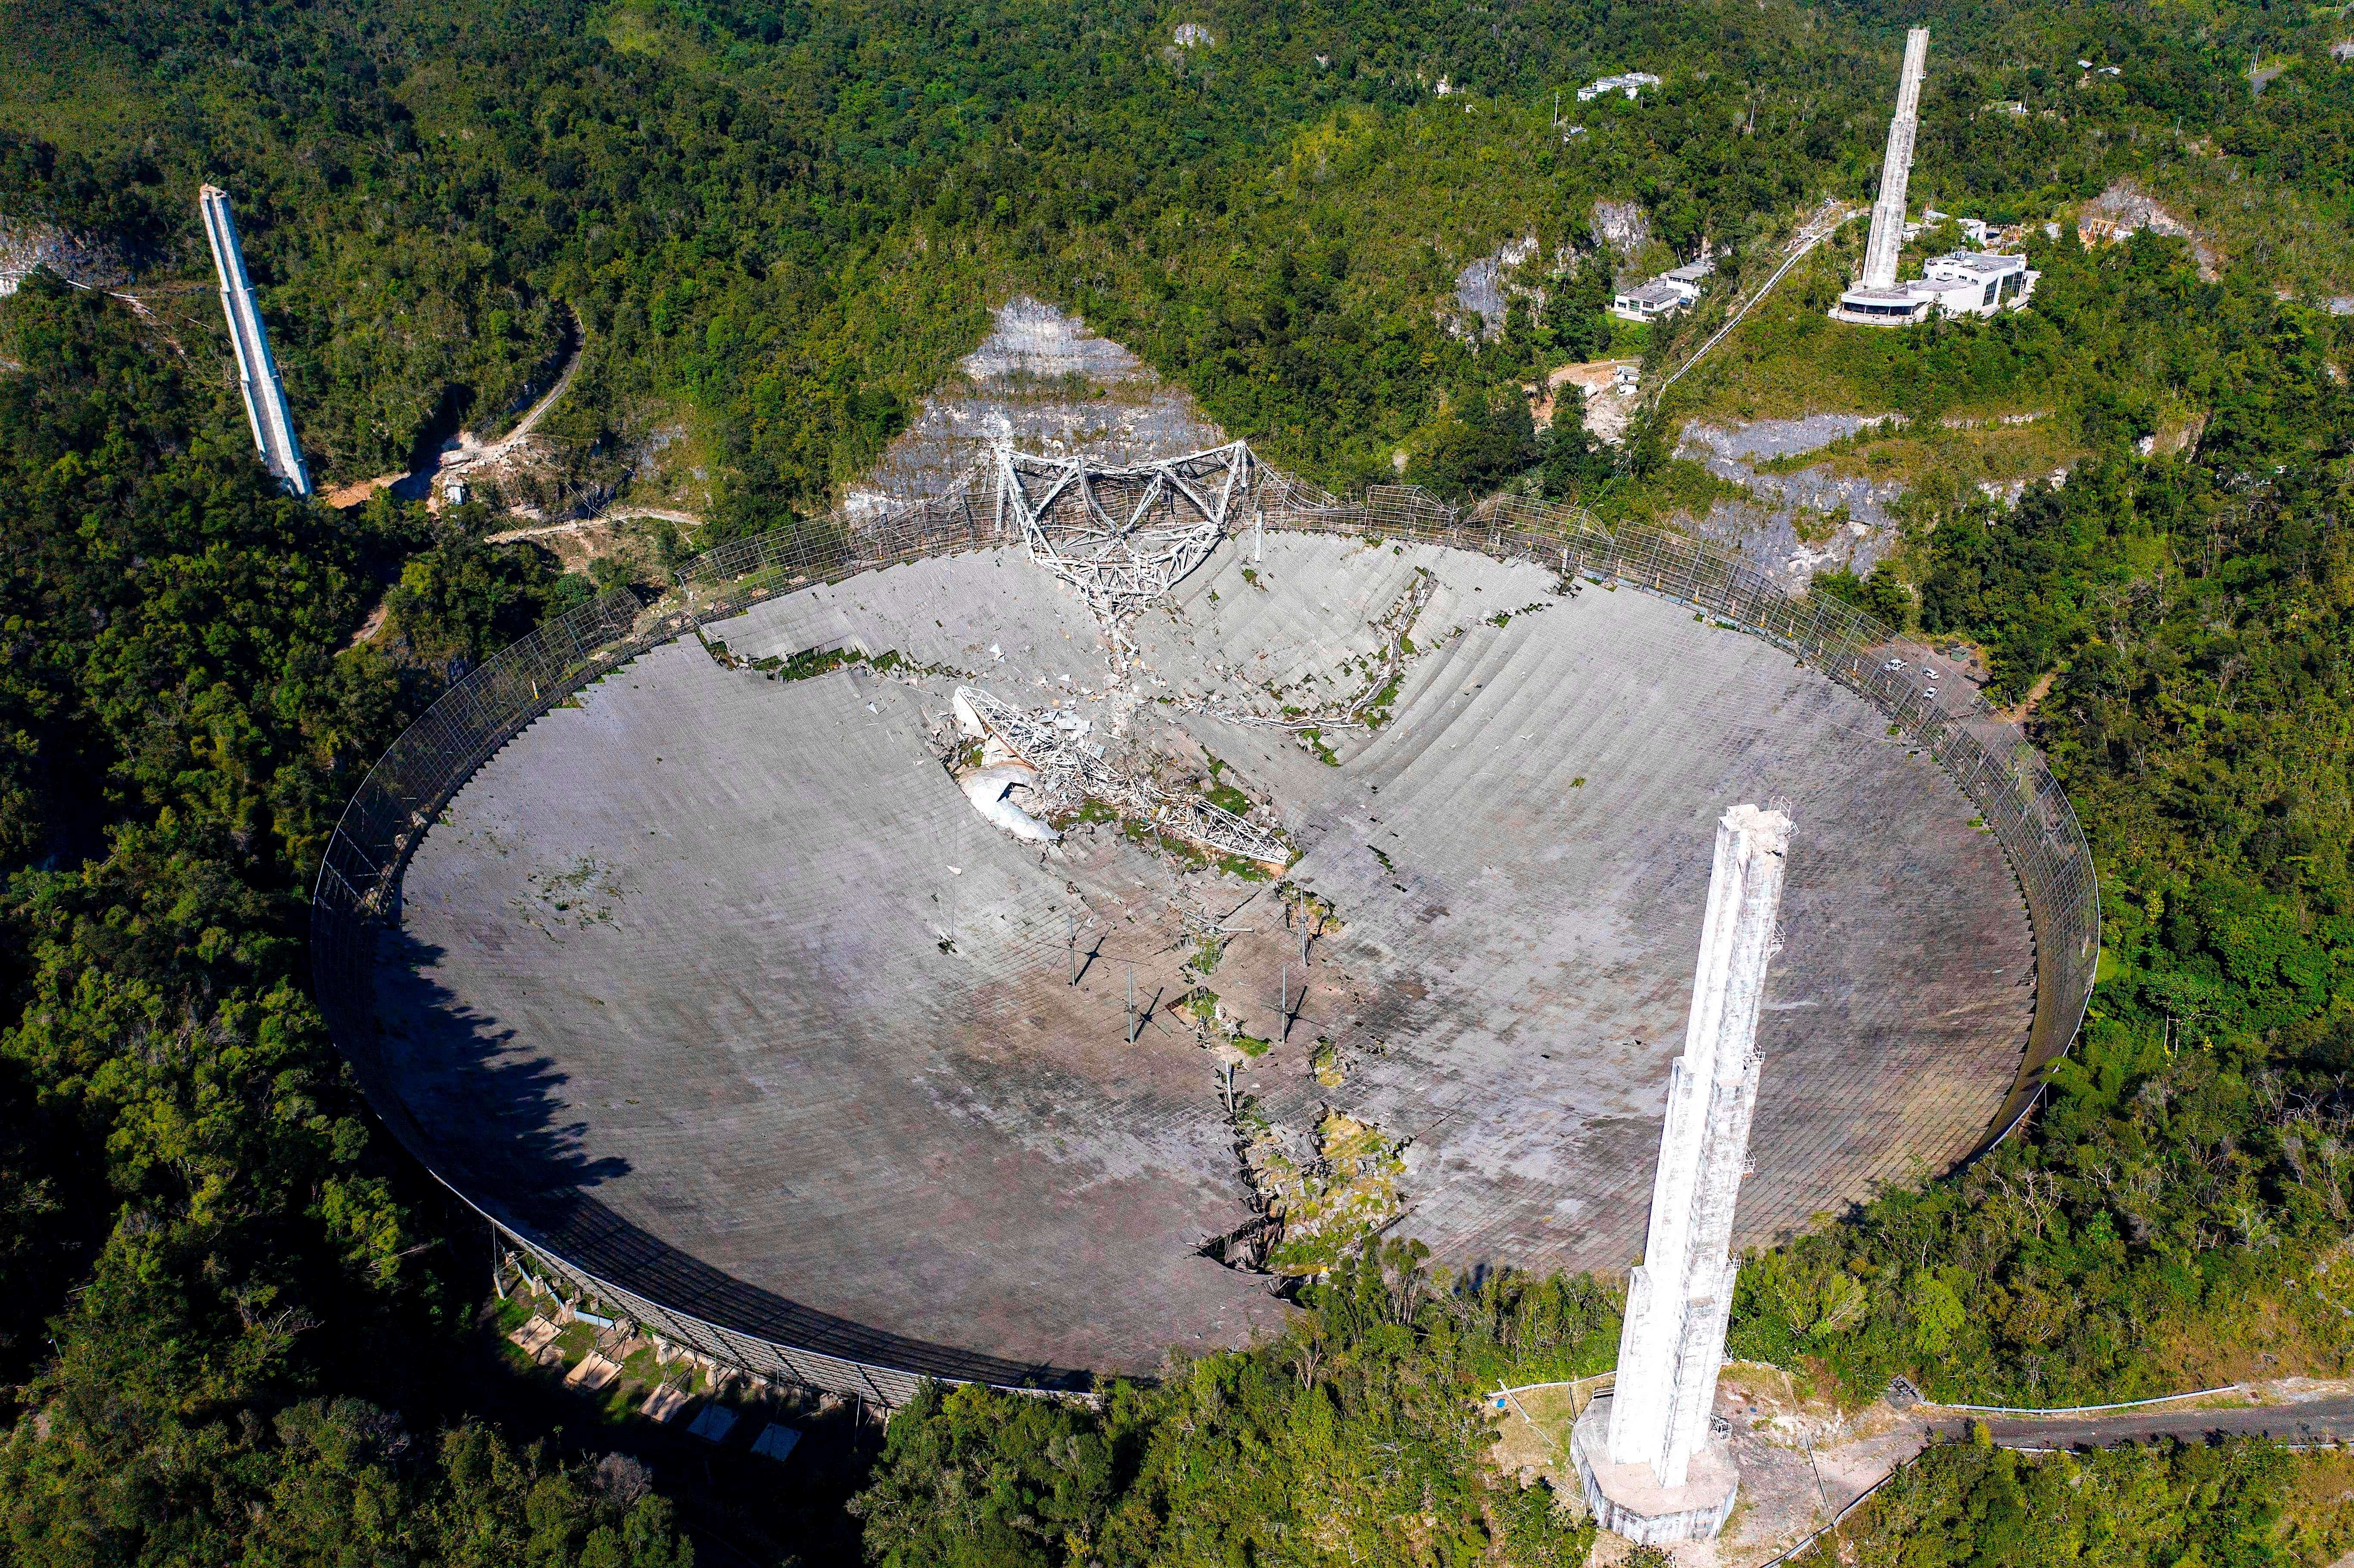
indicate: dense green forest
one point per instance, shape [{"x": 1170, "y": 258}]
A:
[
  {"x": 1340, "y": 1443},
  {"x": 235, "y": 1324},
  {"x": 1976, "y": 1504}
]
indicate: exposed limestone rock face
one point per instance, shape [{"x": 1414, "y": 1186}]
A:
[
  {"x": 1622, "y": 226},
  {"x": 1485, "y": 289},
  {"x": 25, "y": 245},
  {"x": 2125, "y": 210},
  {"x": 1793, "y": 524},
  {"x": 1052, "y": 385}
]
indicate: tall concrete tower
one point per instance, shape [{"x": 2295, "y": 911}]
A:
[
  {"x": 257, "y": 372},
  {"x": 1644, "y": 1456},
  {"x": 1896, "y": 168}
]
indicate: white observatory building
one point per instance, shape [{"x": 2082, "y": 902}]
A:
[{"x": 1964, "y": 282}]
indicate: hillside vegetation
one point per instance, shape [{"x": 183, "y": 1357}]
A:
[{"x": 239, "y": 1325}]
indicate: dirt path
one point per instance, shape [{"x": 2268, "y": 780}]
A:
[
  {"x": 471, "y": 450},
  {"x": 2025, "y": 707},
  {"x": 372, "y": 625},
  {"x": 579, "y": 525},
  {"x": 541, "y": 530},
  {"x": 467, "y": 450}
]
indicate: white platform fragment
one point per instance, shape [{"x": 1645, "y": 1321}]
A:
[
  {"x": 712, "y": 1424},
  {"x": 776, "y": 1442},
  {"x": 991, "y": 792}
]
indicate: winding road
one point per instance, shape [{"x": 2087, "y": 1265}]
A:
[
  {"x": 2311, "y": 1422},
  {"x": 465, "y": 451}
]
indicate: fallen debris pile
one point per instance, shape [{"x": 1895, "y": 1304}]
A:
[{"x": 1070, "y": 769}]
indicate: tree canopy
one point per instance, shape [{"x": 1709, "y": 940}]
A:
[{"x": 770, "y": 228}]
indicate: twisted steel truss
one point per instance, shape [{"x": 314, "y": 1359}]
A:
[
  {"x": 1121, "y": 535},
  {"x": 1070, "y": 766}
]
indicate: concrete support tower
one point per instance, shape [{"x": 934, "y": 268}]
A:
[
  {"x": 1877, "y": 299},
  {"x": 1644, "y": 1455},
  {"x": 1887, "y": 241},
  {"x": 257, "y": 372}
]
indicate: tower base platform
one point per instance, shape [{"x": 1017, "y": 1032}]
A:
[
  {"x": 1892, "y": 307},
  {"x": 1627, "y": 1501}
]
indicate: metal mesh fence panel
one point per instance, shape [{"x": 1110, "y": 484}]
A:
[
  {"x": 888, "y": 1387},
  {"x": 358, "y": 887},
  {"x": 743, "y": 572}
]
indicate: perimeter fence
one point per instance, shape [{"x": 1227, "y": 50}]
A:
[{"x": 358, "y": 888}]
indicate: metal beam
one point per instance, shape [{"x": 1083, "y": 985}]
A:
[{"x": 1120, "y": 566}]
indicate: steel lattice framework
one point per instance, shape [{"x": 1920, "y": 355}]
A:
[
  {"x": 1067, "y": 767},
  {"x": 1121, "y": 535}
]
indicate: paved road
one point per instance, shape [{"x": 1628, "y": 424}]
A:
[{"x": 2313, "y": 1421}]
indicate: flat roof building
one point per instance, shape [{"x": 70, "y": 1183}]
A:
[
  {"x": 1650, "y": 302},
  {"x": 1894, "y": 306},
  {"x": 1960, "y": 283},
  {"x": 1630, "y": 83}
]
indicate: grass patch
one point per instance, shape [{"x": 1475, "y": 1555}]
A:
[
  {"x": 635, "y": 29},
  {"x": 1330, "y": 1205},
  {"x": 1680, "y": 487},
  {"x": 1226, "y": 798},
  {"x": 1814, "y": 527},
  {"x": 815, "y": 661},
  {"x": 1220, "y": 793},
  {"x": 1929, "y": 455},
  {"x": 1325, "y": 1062}
]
